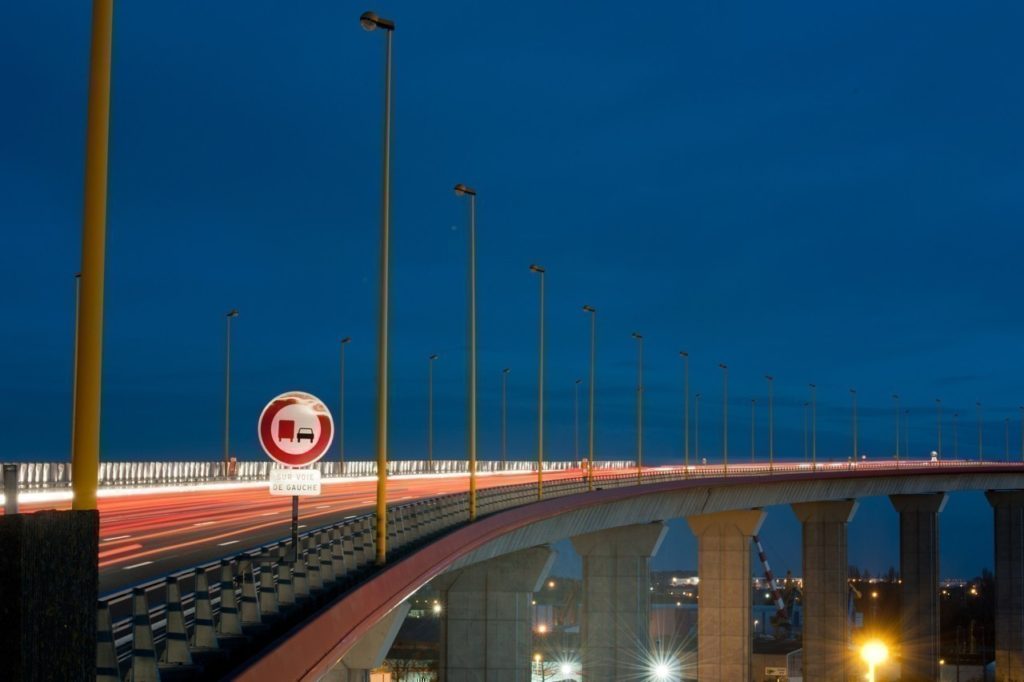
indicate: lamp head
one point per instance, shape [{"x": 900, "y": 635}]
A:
[
  {"x": 506, "y": 370},
  {"x": 346, "y": 340},
  {"x": 874, "y": 652},
  {"x": 769, "y": 377},
  {"x": 683, "y": 354},
  {"x": 537, "y": 268},
  {"x": 371, "y": 22},
  {"x": 462, "y": 190},
  {"x": 233, "y": 312},
  {"x": 723, "y": 365},
  {"x": 435, "y": 356},
  {"x": 637, "y": 335},
  {"x": 589, "y": 309}
]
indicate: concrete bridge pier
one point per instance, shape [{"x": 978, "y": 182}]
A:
[
  {"x": 919, "y": 592},
  {"x": 724, "y": 617},
  {"x": 369, "y": 652},
  {"x": 615, "y": 620},
  {"x": 487, "y": 618},
  {"x": 826, "y": 587},
  {"x": 1008, "y": 509}
]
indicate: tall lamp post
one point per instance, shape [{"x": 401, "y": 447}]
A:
[
  {"x": 462, "y": 190},
  {"x": 938, "y": 424},
  {"x": 232, "y": 314},
  {"x": 504, "y": 418},
  {"x": 431, "y": 359},
  {"x": 85, "y": 462},
  {"x": 341, "y": 407},
  {"x": 806, "y": 450},
  {"x": 639, "y": 406},
  {"x": 540, "y": 388},
  {"x": 590, "y": 428},
  {"x": 371, "y": 22},
  {"x": 686, "y": 411},
  {"x": 725, "y": 418},
  {"x": 771, "y": 422}
]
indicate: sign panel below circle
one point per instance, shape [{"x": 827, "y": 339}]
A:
[
  {"x": 295, "y": 429},
  {"x": 292, "y": 482}
]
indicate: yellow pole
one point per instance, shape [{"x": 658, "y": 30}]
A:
[
  {"x": 593, "y": 376},
  {"x": 540, "y": 390},
  {"x": 85, "y": 463},
  {"x": 472, "y": 356}
]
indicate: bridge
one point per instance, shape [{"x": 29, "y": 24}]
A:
[{"x": 325, "y": 611}]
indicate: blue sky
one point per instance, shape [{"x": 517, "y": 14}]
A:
[{"x": 828, "y": 194}]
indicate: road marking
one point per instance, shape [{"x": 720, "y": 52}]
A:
[
  {"x": 144, "y": 563},
  {"x": 349, "y": 517},
  {"x": 367, "y": 502},
  {"x": 301, "y": 525},
  {"x": 204, "y": 523},
  {"x": 229, "y": 542},
  {"x": 117, "y": 537},
  {"x": 324, "y": 506},
  {"x": 270, "y": 513},
  {"x": 407, "y": 497}
]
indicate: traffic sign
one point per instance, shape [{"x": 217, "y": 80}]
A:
[
  {"x": 296, "y": 429},
  {"x": 289, "y": 481}
]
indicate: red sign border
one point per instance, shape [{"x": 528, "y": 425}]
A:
[{"x": 266, "y": 436}]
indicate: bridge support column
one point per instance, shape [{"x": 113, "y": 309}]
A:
[
  {"x": 370, "y": 651},
  {"x": 615, "y": 621},
  {"x": 919, "y": 592},
  {"x": 725, "y": 640},
  {"x": 826, "y": 588},
  {"x": 488, "y": 617},
  {"x": 1008, "y": 509}
]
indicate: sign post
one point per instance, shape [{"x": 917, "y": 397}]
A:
[{"x": 295, "y": 430}]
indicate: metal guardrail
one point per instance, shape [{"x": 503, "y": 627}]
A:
[
  {"x": 57, "y": 475},
  {"x": 273, "y": 584}
]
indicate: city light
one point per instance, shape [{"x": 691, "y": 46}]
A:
[
  {"x": 566, "y": 669},
  {"x": 542, "y": 629},
  {"x": 436, "y": 608},
  {"x": 873, "y": 653}
]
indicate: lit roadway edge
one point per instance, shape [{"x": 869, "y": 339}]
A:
[{"x": 149, "y": 532}]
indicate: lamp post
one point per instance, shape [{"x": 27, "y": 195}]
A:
[
  {"x": 431, "y": 359},
  {"x": 232, "y": 314},
  {"x": 771, "y": 422},
  {"x": 371, "y": 22},
  {"x": 540, "y": 389},
  {"x": 896, "y": 399},
  {"x": 504, "y": 418},
  {"x": 593, "y": 366},
  {"x": 639, "y": 406},
  {"x": 853, "y": 397},
  {"x": 814, "y": 425},
  {"x": 463, "y": 190},
  {"x": 725, "y": 418},
  {"x": 85, "y": 462},
  {"x": 938, "y": 425},
  {"x": 576, "y": 420},
  {"x": 686, "y": 411},
  {"x": 341, "y": 407},
  {"x": 873, "y": 653},
  {"x": 806, "y": 421}
]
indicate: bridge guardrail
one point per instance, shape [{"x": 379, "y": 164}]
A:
[
  {"x": 269, "y": 582},
  {"x": 34, "y": 476}
]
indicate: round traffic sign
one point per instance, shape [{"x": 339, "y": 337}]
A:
[{"x": 295, "y": 429}]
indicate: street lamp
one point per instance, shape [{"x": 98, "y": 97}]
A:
[
  {"x": 593, "y": 351},
  {"x": 540, "y": 389},
  {"x": 873, "y": 653},
  {"x": 232, "y": 314},
  {"x": 814, "y": 425},
  {"x": 341, "y": 407},
  {"x": 371, "y": 22},
  {"x": 771, "y": 422},
  {"x": 504, "y": 418},
  {"x": 85, "y": 462},
  {"x": 806, "y": 451},
  {"x": 686, "y": 411},
  {"x": 639, "y": 406},
  {"x": 938, "y": 422},
  {"x": 430, "y": 411},
  {"x": 725, "y": 418},
  {"x": 464, "y": 191}
]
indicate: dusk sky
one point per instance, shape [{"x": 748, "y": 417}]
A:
[{"x": 826, "y": 193}]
